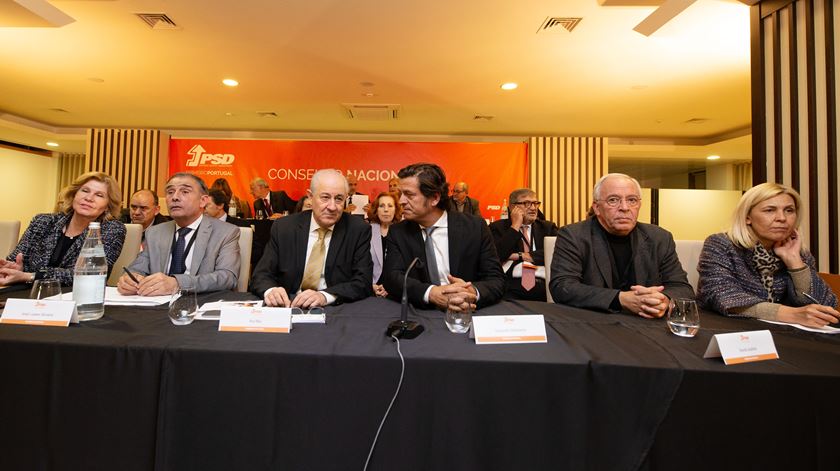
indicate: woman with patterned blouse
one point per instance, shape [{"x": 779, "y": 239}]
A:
[
  {"x": 759, "y": 267},
  {"x": 52, "y": 242}
]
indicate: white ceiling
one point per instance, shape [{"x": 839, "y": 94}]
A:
[{"x": 442, "y": 62}]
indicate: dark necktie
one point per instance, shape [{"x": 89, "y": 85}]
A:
[
  {"x": 528, "y": 274},
  {"x": 431, "y": 261},
  {"x": 179, "y": 256},
  {"x": 268, "y": 211}
]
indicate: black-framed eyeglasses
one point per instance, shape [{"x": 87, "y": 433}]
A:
[
  {"x": 312, "y": 310},
  {"x": 528, "y": 204},
  {"x": 615, "y": 201}
]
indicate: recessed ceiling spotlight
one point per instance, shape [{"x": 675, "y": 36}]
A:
[
  {"x": 52, "y": 144},
  {"x": 510, "y": 86},
  {"x": 368, "y": 94},
  {"x": 230, "y": 82},
  {"x": 713, "y": 157},
  {"x": 228, "y": 114}
]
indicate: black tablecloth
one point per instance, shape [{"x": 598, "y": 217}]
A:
[{"x": 133, "y": 391}]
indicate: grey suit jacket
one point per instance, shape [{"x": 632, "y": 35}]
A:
[
  {"x": 377, "y": 252},
  {"x": 581, "y": 273},
  {"x": 215, "y": 255}
]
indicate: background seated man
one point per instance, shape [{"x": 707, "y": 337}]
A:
[
  {"x": 217, "y": 207},
  {"x": 519, "y": 239},
  {"x": 610, "y": 262},
  {"x": 272, "y": 203},
  {"x": 318, "y": 256},
  {"x": 457, "y": 251},
  {"x": 143, "y": 209},
  {"x": 463, "y": 203},
  {"x": 191, "y": 252}
]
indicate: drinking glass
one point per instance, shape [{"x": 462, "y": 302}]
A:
[
  {"x": 684, "y": 319},
  {"x": 45, "y": 288},
  {"x": 458, "y": 322},
  {"x": 183, "y": 307}
]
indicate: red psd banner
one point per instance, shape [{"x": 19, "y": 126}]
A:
[{"x": 492, "y": 170}]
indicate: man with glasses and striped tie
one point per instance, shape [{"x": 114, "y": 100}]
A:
[
  {"x": 611, "y": 262},
  {"x": 519, "y": 241},
  {"x": 317, "y": 258}
]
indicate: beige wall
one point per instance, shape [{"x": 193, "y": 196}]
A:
[
  {"x": 28, "y": 187},
  {"x": 696, "y": 214}
]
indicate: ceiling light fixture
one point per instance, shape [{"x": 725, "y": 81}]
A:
[
  {"x": 509, "y": 86},
  {"x": 52, "y": 144},
  {"x": 713, "y": 157},
  {"x": 230, "y": 82}
]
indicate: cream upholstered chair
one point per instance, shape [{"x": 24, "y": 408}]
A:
[
  {"x": 9, "y": 233},
  {"x": 688, "y": 252},
  {"x": 130, "y": 249},
  {"x": 246, "y": 239},
  {"x": 548, "y": 247}
]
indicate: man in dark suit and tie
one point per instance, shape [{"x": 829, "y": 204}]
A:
[
  {"x": 191, "y": 252},
  {"x": 611, "y": 262},
  {"x": 217, "y": 207},
  {"x": 462, "y": 202},
  {"x": 316, "y": 258},
  {"x": 519, "y": 241},
  {"x": 273, "y": 203},
  {"x": 457, "y": 251}
]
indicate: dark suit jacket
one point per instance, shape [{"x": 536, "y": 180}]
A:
[
  {"x": 581, "y": 273},
  {"x": 280, "y": 202},
  {"x": 509, "y": 241},
  {"x": 471, "y": 206},
  {"x": 237, "y": 222},
  {"x": 472, "y": 257},
  {"x": 214, "y": 265},
  {"x": 348, "y": 268},
  {"x": 125, "y": 217}
]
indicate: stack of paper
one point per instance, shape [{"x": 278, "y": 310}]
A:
[{"x": 114, "y": 298}]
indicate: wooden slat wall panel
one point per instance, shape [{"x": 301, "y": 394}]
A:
[
  {"x": 70, "y": 166},
  {"x": 795, "y": 73},
  {"x": 129, "y": 155},
  {"x": 563, "y": 171}
]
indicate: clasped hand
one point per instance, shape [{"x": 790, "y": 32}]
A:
[
  {"x": 12, "y": 272},
  {"x": 306, "y": 299},
  {"x": 457, "y": 296},
  {"x": 646, "y": 301},
  {"x": 156, "y": 284}
]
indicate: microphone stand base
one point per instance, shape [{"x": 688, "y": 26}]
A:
[{"x": 404, "y": 329}]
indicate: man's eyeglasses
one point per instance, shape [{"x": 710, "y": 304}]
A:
[
  {"x": 528, "y": 204},
  {"x": 615, "y": 201}
]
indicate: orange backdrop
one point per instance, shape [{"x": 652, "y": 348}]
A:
[{"x": 492, "y": 170}]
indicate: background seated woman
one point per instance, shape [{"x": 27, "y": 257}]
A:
[
  {"x": 52, "y": 242},
  {"x": 383, "y": 212},
  {"x": 759, "y": 267}
]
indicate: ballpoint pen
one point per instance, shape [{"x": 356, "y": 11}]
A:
[
  {"x": 810, "y": 297},
  {"x": 134, "y": 278}
]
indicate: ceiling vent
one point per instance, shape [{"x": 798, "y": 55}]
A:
[
  {"x": 371, "y": 112},
  {"x": 158, "y": 20},
  {"x": 482, "y": 117},
  {"x": 551, "y": 23},
  {"x": 59, "y": 110},
  {"x": 697, "y": 121},
  {"x": 266, "y": 114}
]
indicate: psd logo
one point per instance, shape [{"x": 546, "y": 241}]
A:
[{"x": 199, "y": 157}]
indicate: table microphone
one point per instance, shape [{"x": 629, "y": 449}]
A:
[{"x": 403, "y": 328}]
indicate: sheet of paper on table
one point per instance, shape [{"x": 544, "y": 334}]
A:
[
  {"x": 213, "y": 310},
  {"x": 114, "y": 298},
  {"x": 820, "y": 330}
]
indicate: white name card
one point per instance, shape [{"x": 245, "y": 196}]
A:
[
  {"x": 509, "y": 329},
  {"x": 256, "y": 319},
  {"x": 742, "y": 347},
  {"x": 38, "y": 312}
]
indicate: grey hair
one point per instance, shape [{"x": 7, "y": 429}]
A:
[
  {"x": 516, "y": 194},
  {"x": 596, "y": 192},
  {"x": 326, "y": 171},
  {"x": 201, "y": 185},
  {"x": 259, "y": 182}
]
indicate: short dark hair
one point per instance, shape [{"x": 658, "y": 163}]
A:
[
  {"x": 202, "y": 187},
  {"x": 431, "y": 179},
  {"x": 219, "y": 198}
]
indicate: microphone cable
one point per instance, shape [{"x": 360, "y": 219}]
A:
[{"x": 393, "y": 399}]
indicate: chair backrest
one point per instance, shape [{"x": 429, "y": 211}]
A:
[
  {"x": 833, "y": 282},
  {"x": 246, "y": 239},
  {"x": 130, "y": 249},
  {"x": 548, "y": 247},
  {"x": 9, "y": 233},
  {"x": 688, "y": 252}
]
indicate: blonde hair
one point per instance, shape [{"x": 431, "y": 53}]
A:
[
  {"x": 114, "y": 193},
  {"x": 741, "y": 233}
]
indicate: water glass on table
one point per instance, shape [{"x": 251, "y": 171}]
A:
[
  {"x": 183, "y": 307},
  {"x": 260, "y": 214},
  {"x": 42, "y": 289},
  {"x": 684, "y": 318},
  {"x": 458, "y": 321}
]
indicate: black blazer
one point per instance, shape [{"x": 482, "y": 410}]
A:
[
  {"x": 348, "y": 268},
  {"x": 280, "y": 202},
  {"x": 471, "y": 206},
  {"x": 509, "y": 241},
  {"x": 472, "y": 257}
]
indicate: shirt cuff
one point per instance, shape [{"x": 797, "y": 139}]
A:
[
  {"x": 330, "y": 298},
  {"x": 426, "y": 294}
]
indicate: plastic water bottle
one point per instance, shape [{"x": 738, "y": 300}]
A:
[
  {"x": 504, "y": 210},
  {"x": 232, "y": 208},
  {"x": 89, "y": 276}
]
